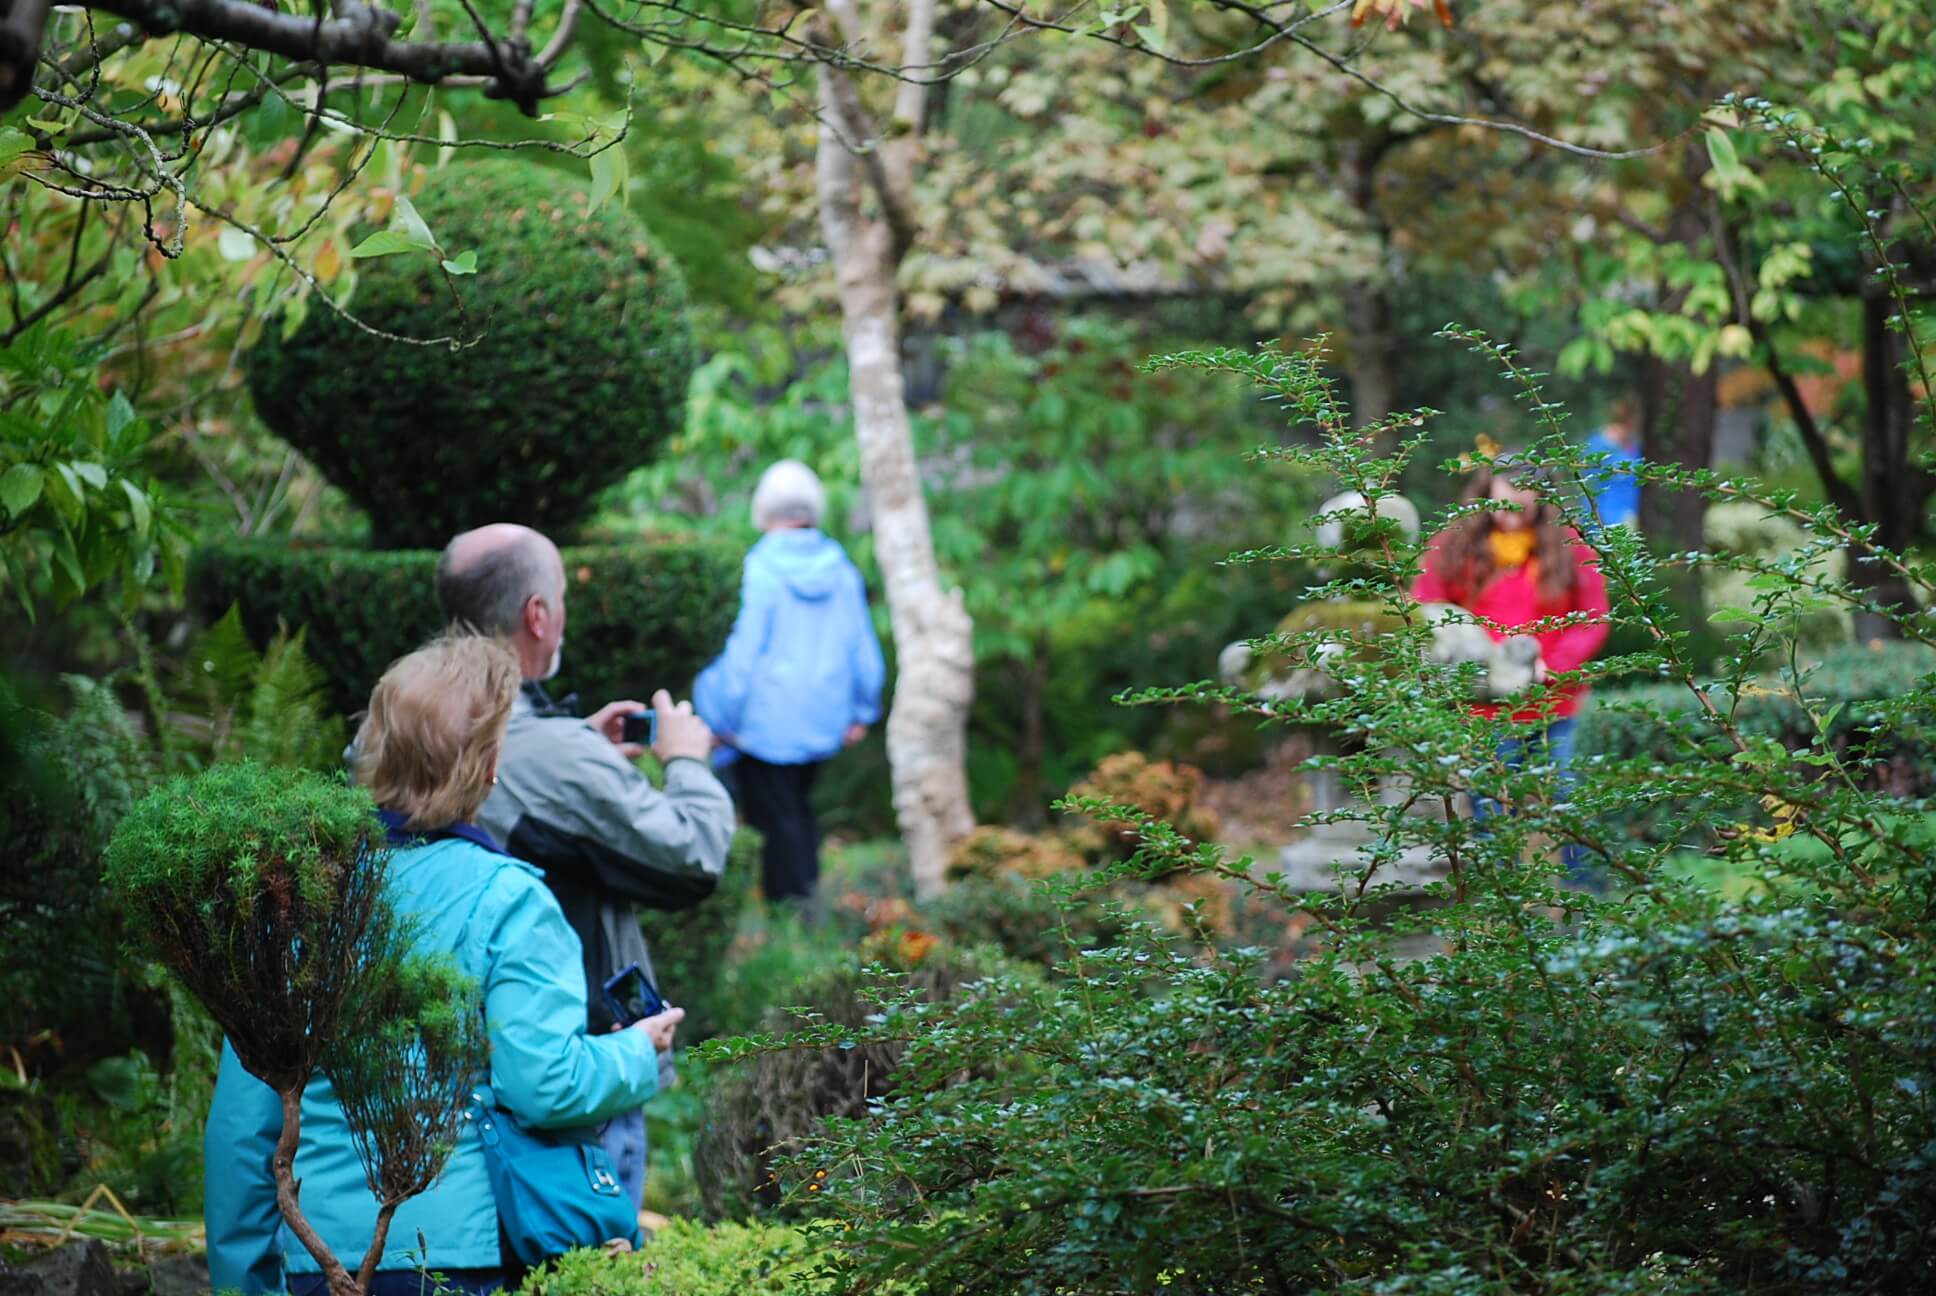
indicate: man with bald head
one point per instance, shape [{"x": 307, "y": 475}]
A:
[{"x": 567, "y": 797}]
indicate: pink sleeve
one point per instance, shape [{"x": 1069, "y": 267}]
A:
[
  {"x": 1430, "y": 587},
  {"x": 1575, "y": 646}
]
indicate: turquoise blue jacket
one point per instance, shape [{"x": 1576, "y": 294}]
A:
[{"x": 499, "y": 919}]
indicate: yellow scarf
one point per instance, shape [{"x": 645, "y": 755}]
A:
[{"x": 1512, "y": 548}]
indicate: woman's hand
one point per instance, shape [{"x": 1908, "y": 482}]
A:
[
  {"x": 1540, "y": 673},
  {"x": 660, "y": 1026}
]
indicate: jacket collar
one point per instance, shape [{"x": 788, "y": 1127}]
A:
[
  {"x": 540, "y": 703},
  {"x": 398, "y": 835}
]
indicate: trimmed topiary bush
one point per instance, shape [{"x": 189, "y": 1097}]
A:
[
  {"x": 577, "y": 375},
  {"x": 641, "y": 617}
]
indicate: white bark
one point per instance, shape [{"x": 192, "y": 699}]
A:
[{"x": 927, "y": 726}]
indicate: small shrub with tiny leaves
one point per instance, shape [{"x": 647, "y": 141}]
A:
[
  {"x": 573, "y": 370},
  {"x": 684, "y": 1258},
  {"x": 1515, "y": 1087}
]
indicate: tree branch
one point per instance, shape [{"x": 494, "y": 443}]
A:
[{"x": 362, "y": 37}]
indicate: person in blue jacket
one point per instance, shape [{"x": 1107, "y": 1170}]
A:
[
  {"x": 1614, "y": 488},
  {"x": 800, "y": 677},
  {"x": 428, "y": 752}
]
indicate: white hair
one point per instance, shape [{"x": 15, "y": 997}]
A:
[{"x": 789, "y": 493}]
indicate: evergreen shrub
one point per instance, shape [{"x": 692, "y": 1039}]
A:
[
  {"x": 685, "y": 1258},
  {"x": 67, "y": 782},
  {"x": 1514, "y": 1088},
  {"x": 640, "y": 616},
  {"x": 579, "y": 353},
  {"x": 758, "y": 1113},
  {"x": 257, "y": 887}
]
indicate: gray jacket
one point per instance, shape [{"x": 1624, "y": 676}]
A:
[{"x": 607, "y": 840}]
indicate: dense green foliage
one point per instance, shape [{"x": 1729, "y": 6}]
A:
[
  {"x": 688, "y": 1259},
  {"x": 1859, "y": 702},
  {"x": 575, "y": 370},
  {"x": 1665, "y": 1091},
  {"x": 642, "y": 617},
  {"x": 68, "y": 781},
  {"x": 757, "y": 1117},
  {"x": 79, "y": 507}
]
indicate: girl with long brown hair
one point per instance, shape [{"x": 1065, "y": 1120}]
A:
[{"x": 1513, "y": 566}]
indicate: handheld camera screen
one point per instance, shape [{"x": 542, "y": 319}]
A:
[
  {"x": 632, "y": 997},
  {"x": 641, "y": 727}
]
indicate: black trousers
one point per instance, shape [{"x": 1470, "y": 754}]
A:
[{"x": 775, "y": 800}]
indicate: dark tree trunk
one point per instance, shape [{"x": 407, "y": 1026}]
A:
[
  {"x": 1372, "y": 345},
  {"x": 1677, "y": 412},
  {"x": 1894, "y": 489},
  {"x": 1025, "y": 809},
  {"x": 1677, "y": 408}
]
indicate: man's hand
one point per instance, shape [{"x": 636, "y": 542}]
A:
[
  {"x": 855, "y": 732},
  {"x": 681, "y": 733},
  {"x": 660, "y": 1026},
  {"x": 610, "y": 721}
]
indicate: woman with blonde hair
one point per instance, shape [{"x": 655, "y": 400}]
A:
[{"x": 427, "y": 751}]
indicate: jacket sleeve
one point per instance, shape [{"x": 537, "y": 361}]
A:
[
  {"x": 545, "y": 1069},
  {"x": 1430, "y": 587},
  {"x": 589, "y": 815},
  {"x": 1575, "y": 646},
  {"x": 869, "y": 671},
  {"x": 239, "y": 1204},
  {"x": 720, "y": 692}
]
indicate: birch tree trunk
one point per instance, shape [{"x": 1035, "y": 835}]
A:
[{"x": 927, "y": 726}]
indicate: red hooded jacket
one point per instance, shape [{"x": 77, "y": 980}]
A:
[{"x": 1511, "y": 599}]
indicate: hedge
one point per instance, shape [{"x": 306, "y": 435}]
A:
[
  {"x": 576, "y": 373},
  {"x": 640, "y": 616},
  {"x": 1856, "y": 686}
]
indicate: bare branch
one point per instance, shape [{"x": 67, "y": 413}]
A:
[{"x": 362, "y": 37}]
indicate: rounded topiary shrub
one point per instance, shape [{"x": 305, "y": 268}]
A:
[{"x": 578, "y": 372}]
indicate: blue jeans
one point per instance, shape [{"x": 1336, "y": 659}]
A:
[
  {"x": 623, "y": 1137},
  {"x": 1555, "y": 744}
]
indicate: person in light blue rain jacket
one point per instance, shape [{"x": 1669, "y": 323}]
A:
[
  {"x": 428, "y": 752},
  {"x": 800, "y": 677},
  {"x": 1614, "y": 489}
]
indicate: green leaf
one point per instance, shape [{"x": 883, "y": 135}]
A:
[
  {"x": 386, "y": 243},
  {"x": 64, "y": 493},
  {"x": 13, "y": 143},
  {"x": 235, "y": 244},
  {"x": 1720, "y": 149},
  {"x": 138, "y": 511},
  {"x": 120, "y": 413},
  {"x": 1721, "y": 616},
  {"x": 20, "y": 488},
  {"x": 413, "y": 225},
  {"x": 463, "y": 263},
  {"x": 608, "y": 175},
  {"x": 91, "y": 473}
]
